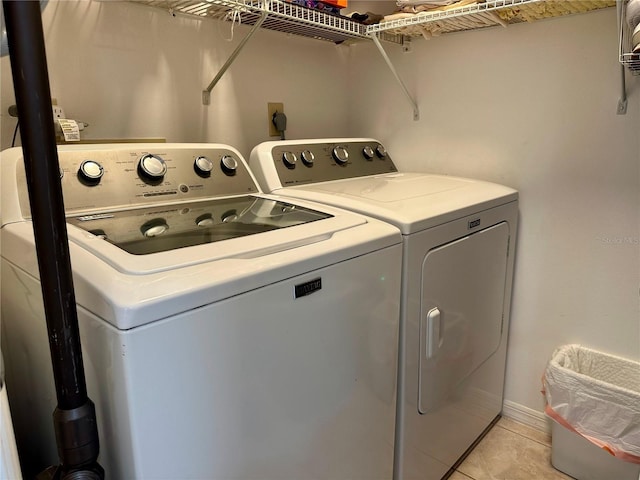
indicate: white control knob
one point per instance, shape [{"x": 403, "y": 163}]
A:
[
  {"x": 368, "y": 152},
  {"x": 205, "y": 220},
  {"x": 340, "y": 155},
  {"x": 229, "y": 165},
  {"x": 229, "y": 217},
  {"x": 203, "y": 166},
  {"x": 154, "y": 228},
  {"x": 152, "y": 167},
  {"x": 90, "y": 172},
  {"x": 307, "y": 158},
  {"x": 381, "y": 152},
  {"x": 289, "y": 159}
]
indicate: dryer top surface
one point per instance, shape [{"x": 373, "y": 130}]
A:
[
  {"x": 358, "y": 174},
  {"x": 411, "y": 201}
]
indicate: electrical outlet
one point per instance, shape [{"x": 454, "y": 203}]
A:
[
  {"x": 58, "y": 112},
  {"x": 271, "y": 109}
]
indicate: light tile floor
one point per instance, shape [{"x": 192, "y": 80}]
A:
[{"x": 510, "y": 451}]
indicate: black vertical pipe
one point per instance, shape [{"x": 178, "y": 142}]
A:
[
  {"x": 74, "y": 418},
  {"x": 33, "y": 98}
]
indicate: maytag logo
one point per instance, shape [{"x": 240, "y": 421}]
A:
[
  {"x": 474, "y": 223},
  {"x": 308, "y": 288}
]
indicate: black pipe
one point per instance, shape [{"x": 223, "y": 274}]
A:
[
  {"x": 33, "y": 97},
  {"x": 74, "y": 418}
]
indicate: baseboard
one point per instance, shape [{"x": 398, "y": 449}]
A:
[{"x": 526, "y": 415}]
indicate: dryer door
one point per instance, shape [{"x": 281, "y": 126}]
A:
[{"x": 463, "y": 289}]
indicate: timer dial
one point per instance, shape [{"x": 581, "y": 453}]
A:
[{"x": 152, "y": 167}]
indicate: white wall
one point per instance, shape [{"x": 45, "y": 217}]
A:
[
  {"x": 532, "y": 106},
  {"x": 133, "y": 71}
]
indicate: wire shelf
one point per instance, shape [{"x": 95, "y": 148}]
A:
[
  {"x": 281, "y": 16},
  {"x": 627, "y": 57},
  {"x": 484, "y": 14}
]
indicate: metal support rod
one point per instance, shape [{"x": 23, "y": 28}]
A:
[
  {"x": 414, "y": 105},
  {"x": 74, "y": 419},
  {"x": 206, "y": 93},
  {"x": 622, "y": 101}
]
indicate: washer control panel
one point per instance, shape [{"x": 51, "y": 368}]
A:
[
  {"x": 299, "y": 164},
  {"x": 113, "y": 179}
]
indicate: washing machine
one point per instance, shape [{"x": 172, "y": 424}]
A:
[
  {"x": 9, "y": 462},
  {"x": 226, "y": 334},
  {"x": 458, "y": 255}
]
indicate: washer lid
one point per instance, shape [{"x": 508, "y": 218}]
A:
[
  {"x": 411, "y": 201},
  {"x": 149, "y": 230},
  {"x": 164, "y": 238}
]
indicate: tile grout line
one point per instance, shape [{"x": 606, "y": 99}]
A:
[
  {"x": 544, "y": 444},
  {"x": 465, "y": 475},
  {"x": 483, "y": 467}
]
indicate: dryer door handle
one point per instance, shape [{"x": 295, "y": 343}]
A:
[{"x": 434, "y": 332}]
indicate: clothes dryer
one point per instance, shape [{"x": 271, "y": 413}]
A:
[
  {"x": 458, "y": 253},
  {"x": 226, "y": 334}
]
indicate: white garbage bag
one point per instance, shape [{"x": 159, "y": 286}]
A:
[{"x": 598, "y": 396}]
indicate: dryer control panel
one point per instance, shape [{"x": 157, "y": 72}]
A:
[
  {"x": 299, "y": 164},
  {"x": 98, "y": 180}
]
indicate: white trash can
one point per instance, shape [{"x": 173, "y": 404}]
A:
[{"x": 594, "y": 401}]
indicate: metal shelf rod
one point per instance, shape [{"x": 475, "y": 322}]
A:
[
  {"x": 206, "y": 93},
  {"x": 622, "y": 101},
  {"x": 414, "y": 105}
]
